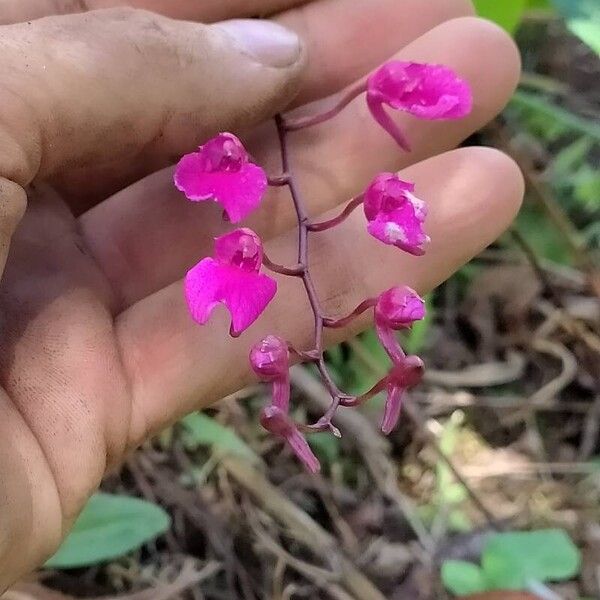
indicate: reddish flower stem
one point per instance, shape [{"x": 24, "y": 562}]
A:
[
  {"x": 302, "y": 270},
  {"x": 358, "y": 400},
  {"x": 295, "y": 271},
  {"x": 343, "y": 321},
  {"x": 304, "y": 122},
  {"x": 279, "y": 180},
  {"x": 350, "y": 207}
]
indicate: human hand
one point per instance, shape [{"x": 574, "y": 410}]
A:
[{"x": 97, "y": 349}]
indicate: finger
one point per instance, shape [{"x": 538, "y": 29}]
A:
[
  {"x": 123, "y": 84},
  {"x": 16, "y": 11},
  {"x": 345, "y": 40},
  {"x": 128, "y": 234},
  {"x": 329, "y": 25},
  {"x": 13, "y": 201},
  {"x": 176, "y": 366}
]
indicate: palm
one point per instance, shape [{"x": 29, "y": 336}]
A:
[{"x": 60, "y": 363}]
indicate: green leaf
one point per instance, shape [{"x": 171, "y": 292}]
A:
[
  {"x": 555, "y": 114},
  {"x": 458, "y": 521},
  {"x": 544, "y": 237},
  {"x": 201, "y": 430},
  {"x": 463, "y": 578},
  {"x": 510, "y": 560},
  {"x": 325, "y": 446},
  {"x": 583, "y": 19},
  {"x": 539, "y": 4},
  {"x": 571, "y": 157},
  {"x": 506, "y": 13},
  {"x": 109, "y": 527}
]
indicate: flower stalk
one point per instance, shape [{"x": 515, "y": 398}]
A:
[{"x": 223, "y": 171}]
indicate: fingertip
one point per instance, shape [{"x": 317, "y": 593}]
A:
[
  {"x": 473, "y": 195},
  {"x": 506, "y": 172},
  {"x": 495, "y": 47}
]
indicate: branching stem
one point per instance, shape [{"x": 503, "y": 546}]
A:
[{"x": 302, "y": 271}]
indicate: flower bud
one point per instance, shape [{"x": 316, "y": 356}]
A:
[
  {"x": 399, "y": 307},
  {"x": 276, "y": 421},
  {"x": 270, "y": 358}
]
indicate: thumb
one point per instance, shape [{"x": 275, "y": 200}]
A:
[{"x": 124, "y": 86}]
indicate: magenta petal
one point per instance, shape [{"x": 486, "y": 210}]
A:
[
  {"x": 376, "y": 107},
  {"x": 239, "y": 192},
  {"x": 385, "y": 192},
  {"x": 276, "y": 421},
  {"x": 393, "y": 406},
  {"x": 400, "y": 230},
  {"x": 202, "y": 285},
  {"x": 404, "y": 375},
  {"x": 389, "y": 341},
  {"x": 245, "y": 294}
]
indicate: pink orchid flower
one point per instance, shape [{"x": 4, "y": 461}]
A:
[
  {"x": 403, "y": 376},
  {"x": 395, "y": 214},
  {"x": 425, "y": 91},
  {"x": 221, "y": 171},
  {"x": 397, "y": 308},
  {"x": 270, "y": 361},
  {"x": 231, "y": 278}
]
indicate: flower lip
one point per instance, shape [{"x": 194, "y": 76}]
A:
[
  {"x": 399, "y": 307},
  {"x": 232, "y": 279},
  {"x": 270, "y": 358}
]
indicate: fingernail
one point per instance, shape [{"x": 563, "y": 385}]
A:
[{"x": 265, "y": 41}]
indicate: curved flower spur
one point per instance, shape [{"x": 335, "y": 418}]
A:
[{"x": 222, "y": 171}]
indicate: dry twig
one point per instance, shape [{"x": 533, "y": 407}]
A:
[
  {"x": 372, "y": 446},
  {"x": 301, "y": 526}
]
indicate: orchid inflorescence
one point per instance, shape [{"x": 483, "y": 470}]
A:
[{"x": 222, "y": 170}]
